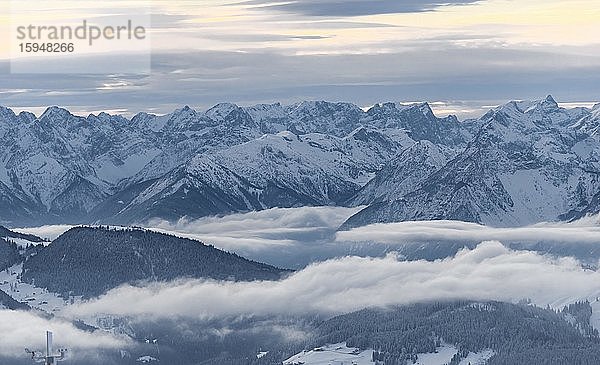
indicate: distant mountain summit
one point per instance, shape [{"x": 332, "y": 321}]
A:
[
  {"x": 527, "y": 163},
  {"x": 522, "y": 162}
]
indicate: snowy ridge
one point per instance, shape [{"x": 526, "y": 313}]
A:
[
  {"x": 520, "y": 163},
  {"x": 522, "y": 167}
]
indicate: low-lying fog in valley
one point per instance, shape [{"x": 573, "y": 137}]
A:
[{"x": 336, "y": 272}]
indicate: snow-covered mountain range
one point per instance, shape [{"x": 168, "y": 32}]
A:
[{"x": 520, "y": 163}]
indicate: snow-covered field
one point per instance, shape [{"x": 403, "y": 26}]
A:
[
  {"x": 336, "y": 354},
  {"x": 445, "y": 353},
  {"x": 340, "y": 354},
  {"x": 38, "y": 298},
  {"x": 479, "y": 358},
  {"x": 443, "y": 356}
]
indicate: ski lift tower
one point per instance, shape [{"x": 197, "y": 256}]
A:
[{"x": 50, "y": 358}]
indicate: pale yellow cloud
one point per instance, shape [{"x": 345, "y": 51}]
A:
[{"x": 228, "y": 25}]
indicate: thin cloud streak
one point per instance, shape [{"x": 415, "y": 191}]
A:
[
  {"x": 350, "y": 8},
  {"x": 250, "y": 52},
  {"x": 586, "y": 230}
]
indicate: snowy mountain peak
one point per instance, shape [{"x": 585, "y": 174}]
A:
[
  {"x": 221, "y": 110},
  {"x": 426, "y": 110},
  {"x": 266, "y": 112},
  {"x": 315, "y": 152},
  {"x": 514, "y": 105},
  {"x": 323, "y": 105},
  {"x": 27, "y": 117},
  {"x": 56, "y": 113},
  {"x": 275, "y": 107},
  {"x": 323, "y": 109},
  {"x": 398, "y": 109},
  {"x": 549, "y": 104},
  {"x": 186, "y": 110},
  {"x": 549, "y": 99},
  {"x": 4, "y": 109},
  {"x": 7, "y": 114}
]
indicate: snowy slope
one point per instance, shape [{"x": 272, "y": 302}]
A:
[
  {"x": 520, "y": 163},
  {"x": 522, "y": 167},
  {"x": 278, "y": 170},
  {"x": 35, "y": 297},
  {"x": 404, "y": 173}
]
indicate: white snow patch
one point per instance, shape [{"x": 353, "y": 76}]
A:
[
  {"x": 479, "y": 358},
  {"x": 535, "y": 197},
  {"x": 106, "y": 169},
  {"x": 442, "y": 356},
  {"x": 338, "y": 354},
  {"x": 146, "y": 359},
  {"x": 39, "y": 298}
]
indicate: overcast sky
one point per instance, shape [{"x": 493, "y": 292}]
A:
[{"x": 464, "y": 56}]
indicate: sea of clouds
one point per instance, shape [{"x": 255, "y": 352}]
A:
[
  {"x": 489, "y": 272},
  {"x": 337, "y": 271},
  {"x": 297, "y": 237}
]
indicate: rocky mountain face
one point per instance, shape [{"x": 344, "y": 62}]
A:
[
  {"x": 520, "y": 163},
  {"x": 528, "y": 162}
]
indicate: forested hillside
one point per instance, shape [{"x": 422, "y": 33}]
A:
[
  {"x": 89, "y": 261},
  {"x": 518, "y": 334}
]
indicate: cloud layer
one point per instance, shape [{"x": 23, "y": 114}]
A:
[
  {"x": 491, "y": 271},
  {"x": 586, "y": 230},
  {"x": 362, "y": 51},
  {"x": 46, "y": 232},
  {"x": 262, "y": 229},
  {"x": 23, "y": 329},
  {"x": 295, "y": 237}
]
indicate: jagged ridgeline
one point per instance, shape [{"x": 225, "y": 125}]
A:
[
  {"x": 89, "y": 261},
  {"x": 521, "y": 163},
  {"x": 517, "y": 333}
]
